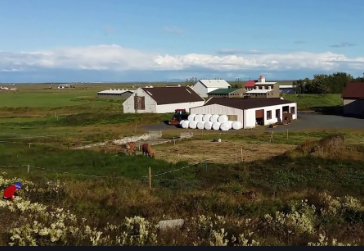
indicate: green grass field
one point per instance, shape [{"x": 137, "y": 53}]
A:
[
  {"x": 102, "y": 186},
  {"x": 310, "y": 101}
]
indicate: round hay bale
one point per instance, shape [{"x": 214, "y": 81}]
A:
[
  {"x": 208, "y": 125},
  {"x": 181, "y": 122},
  {"x": 193, "y": 124},
  {"x": 191, "y": 117},
  {"x": 237, "y": 125},
  {"x": 230, "y": 124},
  {"x": 185, "y": 124},
  {"x": 201, "y": 125},
  {"x": 225, "y": 127},
  {"x": 198, "y": 118},
  {"x": 216, "y": 126},
  {"x": 206, "y": 118},
  {"x": 223, "y": 119},
  {"x": 214, "y": 118}
]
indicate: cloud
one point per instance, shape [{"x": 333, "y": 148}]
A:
[
  {"x": 119, "y": 59},
  {"x": 299, "y": 42},
  {"x": 342, "y": 45},
  {"x": 173, "y": 30},
  {"x": 238, "y": 52}
]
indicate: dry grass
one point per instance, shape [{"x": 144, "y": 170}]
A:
[{"x": 223, "y": 152}]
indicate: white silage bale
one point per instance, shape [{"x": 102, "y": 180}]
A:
[
  {"x": 206, "y": 118},
  {"x": 214, "y": 118},
  {"x": 216, "y": 126},
  {"x": 201, "y": 125},
  {"x": 181, "y": 122},
  {"x": 185, "y": 124},
  {"x": 225, "y": 127},
  {"x": 230, "y": 124},
  {"x": 223, "y": 119},
  {"x": 198, "y": 118},
  {"x": 237, "y": 125},
  {"x": 193, "y": 124},
  {"x": 208, "y": 125},
  {"x": 191, "y": 117}
]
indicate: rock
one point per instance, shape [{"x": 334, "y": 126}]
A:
[
  {"x": 250, "y": 195},
  {"x": 163, "y": 225}
]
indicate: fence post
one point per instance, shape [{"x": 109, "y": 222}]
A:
[
  {"x": 28, "y": 169},
  {"x": 150, "y": 177},
  {"x": 241, "y": 154},
  {"x": 271, "y": 137}
]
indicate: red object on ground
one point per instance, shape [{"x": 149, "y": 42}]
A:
[{"x": 9, "y": 192}]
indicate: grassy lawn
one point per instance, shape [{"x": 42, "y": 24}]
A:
[
  {"x": 310, "y": 101},
  {"x": 58, "y": 98},
  {"x": 103, "y": 186}
]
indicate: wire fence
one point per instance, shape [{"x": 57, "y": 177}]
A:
[{"x": 58, "y": 172}]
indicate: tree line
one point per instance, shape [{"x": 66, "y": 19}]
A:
[{"x": 324, "y": 84}]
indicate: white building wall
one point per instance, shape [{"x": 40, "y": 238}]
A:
[
  {"x": 150, "y": 104},
  {"x": 200, "y": 89},
  {"x": 219, "y": 109},
  {"x": 168, "y": 108},
  {"x": 250, "y": 119}
]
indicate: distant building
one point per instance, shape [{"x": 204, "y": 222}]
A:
[
  {"x": 262, "y": 89},
  {"x": 227, "y": 93},
  {"x": 65, "y": 86},
  {"x": 287, "y": 89},
  {"x": 203, "y": 87},
  {"x": 353, "y": 98},
  {"x": 115, "y": 93},
  {"x": 8, "y": 89},
  {"x": 162, "y": 100}
]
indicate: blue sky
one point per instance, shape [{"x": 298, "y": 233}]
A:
[{"x": 141, "y": 40}]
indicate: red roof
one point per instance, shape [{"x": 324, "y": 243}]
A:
[
  {"x": 250, "y": 83},
  {"x": 354, "y": 90}
]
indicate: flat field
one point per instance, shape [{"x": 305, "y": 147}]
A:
[{"x": 193, "y": 179}]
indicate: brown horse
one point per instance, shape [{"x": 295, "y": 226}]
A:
[
  {"x": 130, "y": 148},
  {"x": 148, "y": 151}
]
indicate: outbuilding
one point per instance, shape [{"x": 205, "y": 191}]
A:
[
  {"x": 287, "y": 89},
  {"x": 205, "y": 86},
  {"x": 353, "y": 98},
  {"x": 251, "y": 112},
  {"x": 162, "y": 100},
  {"x": 115, "y": 93}
]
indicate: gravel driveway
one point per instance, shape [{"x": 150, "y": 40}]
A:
[
  {"x": 311, "y": 121},
  {"x": 306, "y": 121}
]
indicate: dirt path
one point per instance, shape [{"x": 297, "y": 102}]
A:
[{"x": 223, "y": 152}]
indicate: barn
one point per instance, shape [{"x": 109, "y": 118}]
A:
[
  {"x": 115, "y": 93},
  {"x": 162, "y": 100},
  {"x": 203, "y": 87},
  {"x": 250, "y": 112},
  {"x": 353, "y": 98},
  {"x": 287, "y": 89}
]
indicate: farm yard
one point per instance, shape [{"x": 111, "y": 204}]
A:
[
  {"x": 255, "y": 184},
  {"x": 226, "y": 152}
]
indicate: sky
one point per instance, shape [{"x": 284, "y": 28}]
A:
[{"x": 167, "y": 40}]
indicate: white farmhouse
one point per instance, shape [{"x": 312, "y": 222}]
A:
[
  {"x": 162, "y": 100},
  {"x": 203, "y": 87},
  {"x": 251, "y": 112}
]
